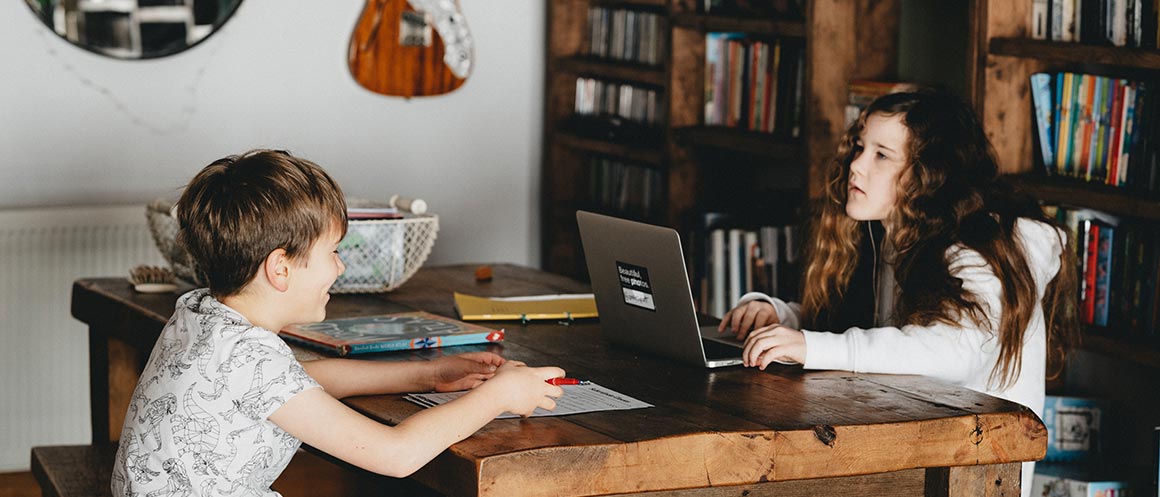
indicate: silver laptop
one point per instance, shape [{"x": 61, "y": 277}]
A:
[{"x": 643, "y": 295}]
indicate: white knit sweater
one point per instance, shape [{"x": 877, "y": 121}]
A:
[{"x": 960, "y": 354}]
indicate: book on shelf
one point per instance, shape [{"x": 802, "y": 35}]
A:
[
  {"x": 525, "y": 308},
  {"x": 1074, "y": 426},
  {"x": 1071, "y": 480},
  {"x": 1041, "y": 102},
  {"x": 388, "y": 332},
  {"x": 1103, "y": 274},
  {"x": 1120, "y": 23},
  {"x": 1039, "y": 19},
  {"x": 1090, "y": 243}
]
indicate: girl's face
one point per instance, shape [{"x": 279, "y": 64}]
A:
[{"x": 879, "y": 161}]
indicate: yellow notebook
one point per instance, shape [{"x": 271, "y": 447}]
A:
[{"x": 574, "y": 306}]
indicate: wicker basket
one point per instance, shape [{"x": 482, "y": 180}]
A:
[{"x": 380, "y": 254}]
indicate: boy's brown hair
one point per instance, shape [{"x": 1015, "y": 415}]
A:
[{"x": 240, "y": 208}]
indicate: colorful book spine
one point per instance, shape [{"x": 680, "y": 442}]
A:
[
  {"x": 1103, "y": 274},
  {"x": 1131, "y": 103},
  {"x": 1039, "y": 19},
  {"x": 1084, "y": 127},
  {"x": 769, "y": 103},
  {"x": 1100, "y": 115},
  {"x": 1064, "y": 99},
  {"x": 1090, "y": 247},
  {"x": 1115, "y": 132},
  {"x": 1041, "y": 97}
]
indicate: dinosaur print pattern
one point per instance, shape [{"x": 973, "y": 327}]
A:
[{"x": 197, "y": 424}]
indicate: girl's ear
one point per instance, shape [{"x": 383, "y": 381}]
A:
[{"x": 276, "y": 268}]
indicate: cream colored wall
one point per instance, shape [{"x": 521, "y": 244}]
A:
[{"x": 79, "y": 129}]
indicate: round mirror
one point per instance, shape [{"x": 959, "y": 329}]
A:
[{"x": 134, "y": 29}]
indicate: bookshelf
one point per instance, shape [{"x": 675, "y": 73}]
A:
[
  {"x": 704, "y": 167},
  {"x": 1121, "y": 366}
]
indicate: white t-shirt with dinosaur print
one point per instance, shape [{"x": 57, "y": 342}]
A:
[{"x": 197, "y": 423}]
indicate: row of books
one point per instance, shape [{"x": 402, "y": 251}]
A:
[
  {"x": 596, "y": 97},
  {"x": 754, "y": 84},
  {"x": 1097, "y": 128},
  {"x": 1121, "y": 23},
  {"x": 628, "y": 35},
  {"x": 630, "y": 189},
  {"x": 732, "y": 261},
  {"x": 1119, "y": 266}
]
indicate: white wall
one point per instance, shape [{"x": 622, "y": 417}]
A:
[
  {"x": 80, "y": 129},
  {"x": 77, "y": 128}
]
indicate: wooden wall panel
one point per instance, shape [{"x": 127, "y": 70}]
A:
[{"x": 834, "y": 58}]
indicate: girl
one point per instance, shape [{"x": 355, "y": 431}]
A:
[{"x": 927, "y": 261}]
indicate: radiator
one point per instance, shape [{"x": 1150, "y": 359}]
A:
[{"x": 44, "y": 388}]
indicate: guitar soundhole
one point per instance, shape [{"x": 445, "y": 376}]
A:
[{"x": 414, "y": 30}]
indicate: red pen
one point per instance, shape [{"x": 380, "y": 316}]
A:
[{"x": 566, "y": 381}]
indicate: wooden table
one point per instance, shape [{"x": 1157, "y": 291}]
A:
[{"x": 733, "y": 431}]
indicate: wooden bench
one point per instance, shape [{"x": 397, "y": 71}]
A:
[{"x": 74, "y": 470}]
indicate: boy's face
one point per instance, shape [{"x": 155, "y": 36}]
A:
[
  {"x": 310, "y": 285},
  {"x": 877, "y": 168}
]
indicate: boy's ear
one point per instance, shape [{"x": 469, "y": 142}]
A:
[{"x": 277, "y": 269}]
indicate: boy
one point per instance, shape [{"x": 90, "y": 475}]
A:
[{"x": 222, "y": 404}]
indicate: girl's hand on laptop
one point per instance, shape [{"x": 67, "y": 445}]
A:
[
  {"x": 774, "y": 343},
  {"x": 747, "y": 317},
  {"x": 464, "y": 371}
]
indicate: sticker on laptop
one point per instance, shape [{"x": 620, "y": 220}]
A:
[{"x": 635, "y": 286}]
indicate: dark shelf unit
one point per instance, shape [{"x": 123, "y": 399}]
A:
[
  {"x": 1120, "y": 366},
  {"x": 698, "y": 160}
]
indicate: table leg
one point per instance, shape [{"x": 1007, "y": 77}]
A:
[
  {"x": 993, "y": 480},
  {"x": 114, "y": 367},
  {"x": 99, "y": 385}
]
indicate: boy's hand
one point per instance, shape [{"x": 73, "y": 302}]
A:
[
  {"x": 521, "y": 389},
  {"x": 464, "y": 371},
  {"x": 748, "y": 316}
]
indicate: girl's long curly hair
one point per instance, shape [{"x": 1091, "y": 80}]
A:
[{"x": 950, "y": 194}]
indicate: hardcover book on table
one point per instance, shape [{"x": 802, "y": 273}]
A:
[
  {"x": 388, "y": 332},
  {"x": 576, "y": 306}
]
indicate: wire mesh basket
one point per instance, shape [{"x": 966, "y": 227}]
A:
[{"x": 379, "y": 254}]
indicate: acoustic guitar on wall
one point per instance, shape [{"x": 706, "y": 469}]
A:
[{"x": 411, "y": 48}]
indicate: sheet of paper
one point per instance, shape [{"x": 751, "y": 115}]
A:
[
  {"x": 536, "y": 298},
  {"x": 576, "y": 399}
]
